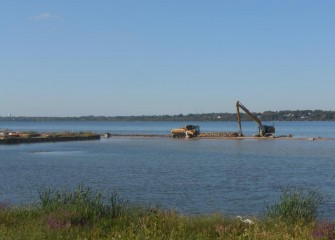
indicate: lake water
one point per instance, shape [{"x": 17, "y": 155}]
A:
[{"x": 234, "y": 177}]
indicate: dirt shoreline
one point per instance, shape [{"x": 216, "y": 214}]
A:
[{"x": 222, "y": 137}]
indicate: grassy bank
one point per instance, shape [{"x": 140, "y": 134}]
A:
[{"x": 83, "y": 214}]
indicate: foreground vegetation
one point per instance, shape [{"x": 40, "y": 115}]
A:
[{"x": 83, "y": 214}]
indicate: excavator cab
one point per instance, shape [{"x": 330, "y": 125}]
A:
[{"x": 265, "y": 130}]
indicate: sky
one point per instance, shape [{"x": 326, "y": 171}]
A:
[{"x": 157, "y": 57}]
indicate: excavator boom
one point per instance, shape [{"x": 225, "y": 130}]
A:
[{"x": 263, "y": 129}]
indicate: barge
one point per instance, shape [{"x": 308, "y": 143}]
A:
[{"x": 18, "y": 138}]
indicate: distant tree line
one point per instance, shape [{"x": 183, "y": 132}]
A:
[{"x": 297, "y": 115}]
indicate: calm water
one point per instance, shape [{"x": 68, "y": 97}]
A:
[{"x": 190, "y": 175}]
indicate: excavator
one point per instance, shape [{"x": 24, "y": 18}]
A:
[{"x": 263, "y": 130}]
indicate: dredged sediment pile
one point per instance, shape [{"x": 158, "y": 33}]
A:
[{"x": 219, "y": 134}]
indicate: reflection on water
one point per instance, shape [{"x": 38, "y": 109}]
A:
[{"x": 57, "y": 153}]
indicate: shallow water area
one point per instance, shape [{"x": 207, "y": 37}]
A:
[{"x": 235, "y": 177}]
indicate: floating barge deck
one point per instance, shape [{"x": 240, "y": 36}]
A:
[{"x": 40, "y": 139}]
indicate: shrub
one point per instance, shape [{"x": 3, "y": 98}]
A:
[
  {"x": 295, "y": 205},
  {"x": 82, "y": 206}
]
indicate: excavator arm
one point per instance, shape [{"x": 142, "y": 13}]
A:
[{"x": 263, "y": 129}]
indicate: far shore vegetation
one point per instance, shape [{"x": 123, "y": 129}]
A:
[
  {"x": 297, "y": 115},
  {"x": 84, "y": 214}
]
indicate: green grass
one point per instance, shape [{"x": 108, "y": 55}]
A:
[
  {"x": 296, "y": 205},
  {"x": 85, "y": 214}
]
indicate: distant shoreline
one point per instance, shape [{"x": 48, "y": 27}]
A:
[{"x": 297, "y": 115}]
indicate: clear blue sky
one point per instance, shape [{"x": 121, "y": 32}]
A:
[{"x": 106, "y": 57}]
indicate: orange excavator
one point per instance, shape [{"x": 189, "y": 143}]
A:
[{"x": 263, "y": 130}]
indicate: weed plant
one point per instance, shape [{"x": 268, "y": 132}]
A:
[
  {"x": 296, "y": 205},
  {"x": 81, "y": 206}
]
